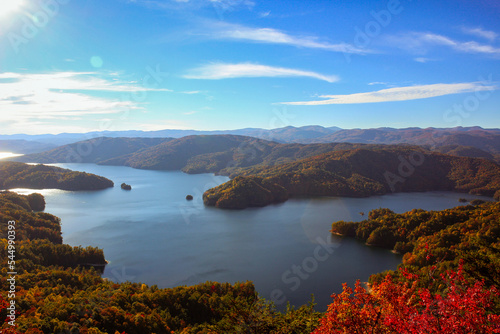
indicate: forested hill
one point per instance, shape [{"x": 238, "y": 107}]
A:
[
  {"x": 20, "y": 175},
  {"x": 189, "y": 153},
  {"x": 93, "y": 150},
  {"x": 224, "y": 154},
  {"x": 358, "y": 173},
  {"x": 435, "y": 241}
]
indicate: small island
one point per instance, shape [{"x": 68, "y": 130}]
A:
[
  {"x": 189, "y": 197},
  {"x": 126, "y": 186}
]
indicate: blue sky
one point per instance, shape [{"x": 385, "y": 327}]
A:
[{"x": 94, "y": 65}]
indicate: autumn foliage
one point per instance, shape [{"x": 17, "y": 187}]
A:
[
  {"x": 21, "y": 175},
  {"x": 58, "y": 291},
  {"x": 402, "y": 307}
]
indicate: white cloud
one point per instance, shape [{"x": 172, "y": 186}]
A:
[
  {"x": 191, "y": 92},
  {"x": 399, "y": 94},
  {"x": 26, "y": 98},
  {"x": 377, "y": 83},
  {"x": 480, "y": 32},
  {"x": 224, "y": 5},
  {"x": 225, "y": 71},
  {"x": 229, "y": 4},
  {"x": 420, "y": 42},
  {"x": 423, "y": 59},
  {"x": 273, "y": 36}
]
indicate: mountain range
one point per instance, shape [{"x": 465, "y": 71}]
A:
[
  {"x": 460, "y": 141},
  {"x": 484, "y": 139},
  {"x": 286, "y": 134}
]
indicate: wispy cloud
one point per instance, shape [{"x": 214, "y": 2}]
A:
[
  {"x": 423, "y": 59},
  {"x": 480, "y": 32},
  {"x": 224, "y": 5},
  {"x": 399, "y": 94},
  {"x": 61, "y": 95},
  {"x": 377, "y": 83},
  {"x": 229, "y": 4},
  {"x": 216, "y": 71},
  {"x": 191, "y": 92},
  {"x": 420, "y": 42},
  {"x": 222, "y": 30}
]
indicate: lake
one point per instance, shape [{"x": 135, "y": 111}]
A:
[{"x": 152, "y": 234}]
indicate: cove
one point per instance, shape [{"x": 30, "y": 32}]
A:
[{"x": 153, "y": 235}]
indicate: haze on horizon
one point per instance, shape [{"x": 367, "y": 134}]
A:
[{"x": 81, "y": 66}]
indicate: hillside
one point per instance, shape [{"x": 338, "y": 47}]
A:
[
  {"x": 176, "y": 154},
  {"x": 93, "y": 150},
  {"x": 20, "y": 175},
  {"x": 434, "y": 241},
  {"x": 358, "y": 173},
  {"x": 223, "y": 154}
]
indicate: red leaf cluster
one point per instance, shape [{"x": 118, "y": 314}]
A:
[{"x": 401, "y": 307}]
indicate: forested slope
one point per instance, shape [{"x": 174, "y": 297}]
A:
[
  {"x": 358, "y": 173},
  {"x": 20, "y": 175}
]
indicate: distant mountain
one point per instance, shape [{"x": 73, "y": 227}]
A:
[
  {"x": 358, "y": 173},
  {"x": 292, "y": 134},
  {"x": 24, "y": 146},
  {"x": 93, "y": 150},
  {"x": 20, "y": 175},
  {"x": 487, "y": 140},
  {"x": 287, "y": 134}
]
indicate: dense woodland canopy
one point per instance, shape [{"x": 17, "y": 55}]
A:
[
  {"x": 435, "y": 241},
  {"x": 20, "y": 175}
]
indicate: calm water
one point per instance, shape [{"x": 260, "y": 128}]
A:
[{"x": 153, "y": 235}]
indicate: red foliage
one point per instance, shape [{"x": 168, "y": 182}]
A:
[{"x": 399, "y": 307}]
